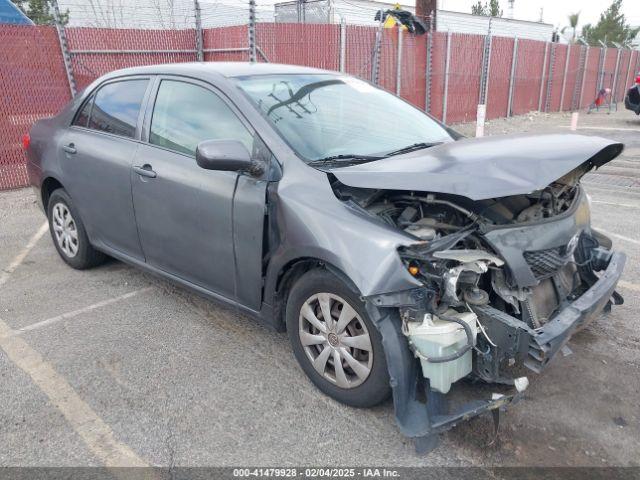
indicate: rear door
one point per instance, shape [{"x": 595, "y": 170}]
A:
[
  {"x": 185, "y": 213},
  {"x": 96, "y": 155}
]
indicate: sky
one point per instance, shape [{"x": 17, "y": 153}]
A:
[{"x": 554, "y": 11}]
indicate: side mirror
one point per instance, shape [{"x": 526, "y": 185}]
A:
[{"x": 227, "y": 155}]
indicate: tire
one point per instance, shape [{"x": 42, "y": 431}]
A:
[
  {"x": 365, "y": 385},
  {"x": 68, "y": 233}
]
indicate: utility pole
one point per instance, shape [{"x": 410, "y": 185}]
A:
[{"x": 426, "y": 11}]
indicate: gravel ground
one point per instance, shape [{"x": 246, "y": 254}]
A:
[{"x": 178, "y": 380}]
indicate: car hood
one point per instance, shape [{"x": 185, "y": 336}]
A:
[{"x": 482, "y": 168}]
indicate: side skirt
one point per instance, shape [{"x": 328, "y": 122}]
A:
[{"x": 263, "y": 315}]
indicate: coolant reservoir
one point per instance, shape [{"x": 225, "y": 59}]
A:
[{"x": 436, "y": 338}]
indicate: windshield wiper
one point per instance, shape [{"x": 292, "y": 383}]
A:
[
  {"x": 353, "y": 158},
  {"x": 347, "y": 158},
  {"x": 412, "y": 148}
]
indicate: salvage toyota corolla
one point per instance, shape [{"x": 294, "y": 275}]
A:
[{"x": 399, "y": 257}]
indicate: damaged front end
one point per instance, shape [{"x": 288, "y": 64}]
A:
[{"x": 505, "y": 284}]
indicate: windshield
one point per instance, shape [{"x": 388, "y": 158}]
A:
[{"x": 328, "y": 116}]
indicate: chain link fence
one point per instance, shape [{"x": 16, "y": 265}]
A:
[
  {"x": 33, "y": 85},
  {"x": 444, "y": 73}
]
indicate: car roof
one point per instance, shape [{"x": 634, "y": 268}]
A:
[{"x": 225, "y": 69}]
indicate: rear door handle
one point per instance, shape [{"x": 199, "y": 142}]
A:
[
  {"x": 145, "y": 171},
  {"x": 71, "y": 148}
]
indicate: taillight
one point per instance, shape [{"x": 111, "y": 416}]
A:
[
  {"x": 638, "y": 79},
  {"x": 26, "y": 141}
]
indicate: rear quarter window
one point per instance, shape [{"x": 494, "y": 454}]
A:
[
  {"x": 82, "y": 117},
  {"x": 116, "y": 107}
]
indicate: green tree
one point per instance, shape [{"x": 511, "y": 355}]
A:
[
  {"x": 40, "y": 11},
  {"x": 489, "y": 9},
  {"x": 612, "y": 27}
]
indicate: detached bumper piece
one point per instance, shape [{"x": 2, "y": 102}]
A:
[
  {"x": 423, "y": 413},
  {"x": 441, "y": 422},
  {"x": 444, "y": 422}
]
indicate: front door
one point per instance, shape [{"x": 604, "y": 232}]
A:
[{"x": 185, "y": 213}]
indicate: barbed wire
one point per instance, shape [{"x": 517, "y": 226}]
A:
[
  {"x": 129, "y": 13},
  {"x": 179, "y": 14}
]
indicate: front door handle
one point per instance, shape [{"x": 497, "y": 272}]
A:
[
  {"x": 145, "y": 171},
  {"x": 71, "y": 148}
]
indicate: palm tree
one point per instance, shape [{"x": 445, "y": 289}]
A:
[{"x": 574, "y": 18}]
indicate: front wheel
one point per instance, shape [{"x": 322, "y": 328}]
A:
[
  {"x": 335, "y": 342},
  {"x": 68, "y": 233}
]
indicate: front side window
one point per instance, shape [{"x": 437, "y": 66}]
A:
[
  {"x": 186, "y": 114},
  {"x": 116, "y": 107},
  {"x": 324, "y": 115}
]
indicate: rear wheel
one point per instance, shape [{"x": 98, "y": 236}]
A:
[
  {"x": 68, "y": 233},
  {"x": 335, "y": 342}
]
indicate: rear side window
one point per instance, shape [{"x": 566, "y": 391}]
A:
[
  {"x": 82, "y": 117},
  {"x": 116, "y": 107},
  {"x": 186, "y": 114}
]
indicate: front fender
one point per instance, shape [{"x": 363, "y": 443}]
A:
[{"x": 306, "y": 220}]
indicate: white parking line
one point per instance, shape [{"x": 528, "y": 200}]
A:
[
  {"x": 604, "y": 128},
  {"x": 96, "y": 434},
  {"x": 80, "y": 311},
  {"x": 4, "y": 275},
  {"x": 622, "y": 237}
]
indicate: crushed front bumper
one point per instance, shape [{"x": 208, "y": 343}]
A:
[
  {"x": 423, "y": 420},
  {"x": 537, "y": 347},
  {"x": 549, "y": 339}
]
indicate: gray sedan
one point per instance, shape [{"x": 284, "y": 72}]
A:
[{"x": 399, "y": 257}]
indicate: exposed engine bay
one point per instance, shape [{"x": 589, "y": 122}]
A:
[
  {"x": 500, "y": 261},
  {"x": 492, "y": 272}
]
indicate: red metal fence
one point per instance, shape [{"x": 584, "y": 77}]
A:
[
  {"x": 33, "y": 85},
  {"x": 440, "y": 73},
  {"x": 101, "y": 50}
]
